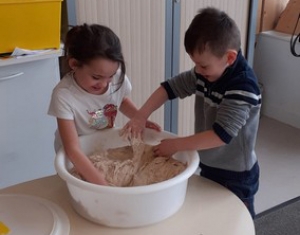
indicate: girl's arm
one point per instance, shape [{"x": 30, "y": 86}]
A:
[{"x": 72, "y": 149}]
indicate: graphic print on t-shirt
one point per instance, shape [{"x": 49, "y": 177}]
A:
[{"x": 103, "y": 118}]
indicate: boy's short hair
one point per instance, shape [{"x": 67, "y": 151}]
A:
[{"x": 214, "y": 30}]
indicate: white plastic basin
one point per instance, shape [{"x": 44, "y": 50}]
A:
[{"x": 126, "y": 207}]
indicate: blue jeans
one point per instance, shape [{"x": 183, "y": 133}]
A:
[{"x": 242, "y": 184}]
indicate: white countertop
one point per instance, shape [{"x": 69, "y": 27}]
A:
[{"x": 209, "y": 209}]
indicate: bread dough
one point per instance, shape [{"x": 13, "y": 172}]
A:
[{"x": 134, "y": 165}]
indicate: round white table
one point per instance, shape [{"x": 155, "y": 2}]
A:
[{"x": 209, "y": 209}]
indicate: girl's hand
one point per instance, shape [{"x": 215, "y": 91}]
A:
[
  {"x": 153, "y": 125},
  {"x": 101, "y": 179},
  {"x": 134, "y": 128},
  {"x": 81, "y": 162}
]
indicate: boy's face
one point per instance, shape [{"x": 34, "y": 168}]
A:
[{"x": 210, "y": 66}]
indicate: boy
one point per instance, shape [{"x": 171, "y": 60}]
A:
[{"x": 227, "y": 105}]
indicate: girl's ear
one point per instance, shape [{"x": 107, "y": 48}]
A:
[
  {"x": 73, "y": 63},
  {"x": 231, "y": 56}
]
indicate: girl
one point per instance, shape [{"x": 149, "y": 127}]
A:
[{"x": 88, "y": 97}]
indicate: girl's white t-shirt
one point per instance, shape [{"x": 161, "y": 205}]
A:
[{"x": 69, "y": 101}]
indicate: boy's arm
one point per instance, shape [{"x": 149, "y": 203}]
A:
[
  {"x": 157, "y": 99},
  {"x": 128, "y": 108},
  {"x": 72, "y": 149},
  {"x": 200, "y": 141}
]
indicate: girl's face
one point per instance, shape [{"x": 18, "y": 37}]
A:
[
  {"x": 210, "y": 66},
  {"x": 94, "y": 77}
]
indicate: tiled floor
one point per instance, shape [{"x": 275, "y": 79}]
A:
[{"x": 278, "y": 151}]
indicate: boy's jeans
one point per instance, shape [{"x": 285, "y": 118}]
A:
[{"x": 243, "y": 184}]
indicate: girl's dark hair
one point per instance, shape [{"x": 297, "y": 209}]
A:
[
  {"x": 87, "y": 42},
  {"x": 213, "y": 29}
]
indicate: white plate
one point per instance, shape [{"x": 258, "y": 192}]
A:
[{"x": 24, "y": 214}]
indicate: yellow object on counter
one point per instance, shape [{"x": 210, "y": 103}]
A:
[
  {"x": 29, "y": 24},
  {"x": 4, "y": 230}
]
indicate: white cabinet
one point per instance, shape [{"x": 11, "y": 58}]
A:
[{"x": 26, "y": 131}]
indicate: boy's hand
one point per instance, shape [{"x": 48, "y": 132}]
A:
[{"x": 167, "y": 147}]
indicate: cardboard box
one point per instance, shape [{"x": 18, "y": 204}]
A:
[
  {"x": 29, "y": 24},
  {"x": 289, "y": 18},
  {"x": 268, "y": 14}
]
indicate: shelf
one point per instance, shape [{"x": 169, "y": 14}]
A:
[{"x": 29, "y": 58}]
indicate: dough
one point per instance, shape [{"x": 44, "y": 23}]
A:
[{"x": 134, "y": 165}]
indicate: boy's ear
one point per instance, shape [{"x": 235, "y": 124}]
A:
[
  {"x": 231, "y": 56},
  {"x": 73, "y": 63}
]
